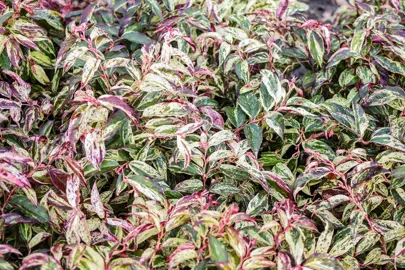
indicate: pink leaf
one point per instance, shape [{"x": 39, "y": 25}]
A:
[
  {"x": 306, "y": 223},
  {"x": 112, "y": 102},
  {"x": 25, "y": 41},
  {"x": 4, "y": 249},
  {"x": 16, "y": 115},
  {"x": 58, "y": 178},
  {"x": 396, "y": 4},
  {"x": 184, "y": 149},
  {"x": 189, "y": 128},
  {"x": 11, "y": 175},
  {"x": 180, "y": 249},
  {"x": 14, "y": 218},
  {"x": 73, "y": 191},
  {"x": 239, "y": 217},
  {"x": 216, "y": 118},
  {"x": 20, "y": 88},
  {"x": 66, "y": 45},
  {"x": 12, "y": 157},
  {"x": 72, "y": 133},
  {"x": 5, "y": 89},
  {"x": 282, "y": 8},
  {"x": 13, "y": 52},
  {"x": 72, "y": 229},
  {"x": 39, "y": 259},
  {"x": 9, "y": 104},
  {"x": 30, "y": 118},
  {"x": 326, "y": 35},
  {"x": 277, "y": 179},
  {"x": 126, "y": 225},
  {"x": 94, "y": 147},
  {"x": 137, "y": 231},
  {"x": 87, "y": 13},
  {"x": 75, "y": 167},
  {"x": 96, "y": 202},
  {"x": 284, "y": 261}
]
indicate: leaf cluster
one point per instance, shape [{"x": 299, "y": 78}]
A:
[{"x": 213, "y": 134}]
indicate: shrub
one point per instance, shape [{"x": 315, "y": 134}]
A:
[{"x": 201, "y": 135}]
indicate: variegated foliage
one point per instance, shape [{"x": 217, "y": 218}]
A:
[{"x": 182, "y": 134}]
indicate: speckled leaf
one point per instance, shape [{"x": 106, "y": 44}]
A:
[
  {"x": 357, "y": 41},
  {"x": 390, "y": 65},
  {"x": 254, "y": 136},
  {"x": 249, "y": 104},
  {"x": 316, "y": 46}
]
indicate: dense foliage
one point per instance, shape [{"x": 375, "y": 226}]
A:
[{"x": 180, "y": 134}]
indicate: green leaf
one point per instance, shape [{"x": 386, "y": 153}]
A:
[
  {"x": 361, "y": 119},
  {"x": 347, "y": 77},
  {"x": 53, "y": 18},
  {"x": 271, "y": 90},
  {"x": 136, "y": 37},
  {"x": 90, "y": 67},
  {"x": 367, "y": 242},
  {"x": 7, "y": 13},
  {"x": 154, "y": 5},
  {"x": 341, "y": 113},
  {"x": 254, "y": 135},
  {"x": 189, "y": 186},
  {"x": 275, "y": 120},
  {"x": 320, "y": 147},
  {"x": 357, "y": 41},
  {"x": 324, "y": 240},
  {"x": 40, "y": 75},
  {"x": 365, "y": 74},
  {"x": 394, "y": 234},
  {"x": 29, "y": 209},
  {"x": 386, "y": 96},
  {"x": 316, "y": 46},
  {"x": 342, "y": 245},
  {"x": 388, "y": 140},
  {"x": 41, "y": 59},
  {"x": 373, "y": 256},
  {"x": 323, "y": 261},
  {"x": 224, "y": 189},
  {"x": 174, "y": 109},
  {"x": 145, "y": 187},
  {"x": 4, "y": 265},
  {"x": 399, "y": 172},
  {"x": 184, "y": 253},
  {"x": 399, "y": 196},
  {"x": 142, "y": 168},
  {"x": 224, "y": 51},
  {"x": 105, "y": 166},
  {"x": 313, "y": 175},
  {"x": 295, "y": 243},
  {"x": 258, "y": 204},
  {"x": 390, "y": 65},
  {"x": 340, "y": 55},
  {"x": 220, "y": 137},
  {"x": 38, "y": 238},
  {"x": 242, "y": 70},
  {"x": 217, "y": 250},
  {"x": 249, "y": 104},
  {"x": 234, "y": 172},
  {"x": 235, "y": 115},
  {"x": 220, "y": 154}
]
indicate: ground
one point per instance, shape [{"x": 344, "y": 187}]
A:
[{"x": 323, "y": 9}]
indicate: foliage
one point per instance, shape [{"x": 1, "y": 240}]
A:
[{"x": 180, "y": 134}]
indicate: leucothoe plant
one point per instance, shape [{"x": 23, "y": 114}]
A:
[{"x": 219, "y": 134}]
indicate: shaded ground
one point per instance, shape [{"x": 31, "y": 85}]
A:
[{"x": 323, "y": 10}]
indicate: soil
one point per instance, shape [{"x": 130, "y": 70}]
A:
[{"x": 323, "y": 10}]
